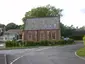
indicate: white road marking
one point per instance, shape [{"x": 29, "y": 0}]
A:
[
  {"x": 27, "y": 54},
  {"x": 5, "y": 59},
  {"x": 79, "y": 56}
]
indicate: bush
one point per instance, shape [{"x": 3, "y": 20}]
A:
[
  {"x": 29, "y": 43},
  {"x": 44, "y": 42},
  {"x": 84, "y": 40},
  {"x": 39, "y": 43},
  {"x": 77, "y": 37},
  {"x": 12, "y": 44},
  {"x": 8, "y": 43},
  {"x": 61, "y": 42},
  {"x": 70, "y": 41}
]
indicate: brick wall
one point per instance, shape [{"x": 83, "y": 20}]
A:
[{"x": 36, "y": 35}]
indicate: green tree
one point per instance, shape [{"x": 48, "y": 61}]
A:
[
  {"x": 22, "y": 27},
  {"x": 43, "y": 11},
  {"x": 82, "y": 28},
  {"x": 12, "y": 26},
  {"x": 84, "y": 40},
  {"x": 66, "y": 31}
]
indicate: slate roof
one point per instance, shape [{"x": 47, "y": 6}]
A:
[{"x": 14, "y": 31}]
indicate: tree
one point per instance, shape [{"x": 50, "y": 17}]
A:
[
  {"x": 22, "y": 27},
  {"x": 66, "y": 31},
  {"x": 82, "y": 28},
  {"x": 12, "y": 26},
  {"x": 2, "y": 25},
  {"x": 43, "y": 11}
]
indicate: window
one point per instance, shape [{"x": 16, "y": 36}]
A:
[
  {"x": 49, "y": 35},
  {"x": 42, "y": 35},
  {"x": 53, "y": 35},
  {"x": 29, "y": 35}
]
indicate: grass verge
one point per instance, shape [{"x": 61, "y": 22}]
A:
[{"x": 81, "y": 52}]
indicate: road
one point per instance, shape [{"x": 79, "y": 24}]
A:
[
  {"x": 2, "y": 59},
  {"x": 47, "y": 55}
]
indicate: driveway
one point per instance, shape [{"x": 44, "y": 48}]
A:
[{"x": 46, "y": 55}]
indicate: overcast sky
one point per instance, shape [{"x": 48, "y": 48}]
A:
[{"x": 14, "y": 10}]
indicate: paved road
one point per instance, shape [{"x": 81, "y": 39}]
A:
[
  {"x": 54, "y": 55},
  {"x": 2, "y": 59},
  {"x": 46, "y": 55}
]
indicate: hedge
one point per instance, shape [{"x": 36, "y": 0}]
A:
[
  {"x": 38, "y": 43},
  {"x": 84, "y": 40},
  {"x": 77, "y": 37}
]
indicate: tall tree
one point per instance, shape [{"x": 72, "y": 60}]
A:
[
  {"x": 82, "y": 28},
  {"x": 43, "y": 11},
  {"x": 12, "y": 26},
  {"x": 66, "y": 31}
]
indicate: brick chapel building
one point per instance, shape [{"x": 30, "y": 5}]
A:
[{"x": 42, "y": 28}]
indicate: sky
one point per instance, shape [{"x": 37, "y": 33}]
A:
[{"x": 14, "y": 10}]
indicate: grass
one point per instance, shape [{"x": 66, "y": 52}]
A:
[{"x": 81, "y": 52}]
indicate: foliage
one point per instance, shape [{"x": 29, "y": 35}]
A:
[
  {"x": 43, "y": 11},
  {"x": 38, "y": 43},
  {"x": 12, "y": 44},
  {"x": 66, "y": 31},
  {"x": 22, "y": 27},
  {"x": 77, "y": 34},
  {"x": 81, "y": 52},
  {"x": 49, "y": 10},
  {"x": 12, "y": 26},
  {"x": 82, "y": 28},
  {"x": 78, "y": 37},
  {"x": 84, "y": 40}
]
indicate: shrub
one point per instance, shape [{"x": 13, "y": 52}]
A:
[
  {"x": 70, "y": 41},
  {"x": 84, "y": 40},
  {"x": 61, "y": 42},
  {"x": 44, "y": 42},
  {"x": 8, "y": 44},
  {"x": 53, "y": 42},
  {"x": 29, "y": 43},
  {"x": 77, "y": 37},
  {"x": 38, "y": 43},
  {"x": 12, "y": 44}
]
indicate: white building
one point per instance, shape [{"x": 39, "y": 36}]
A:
[{"x": 13, "y": 34}]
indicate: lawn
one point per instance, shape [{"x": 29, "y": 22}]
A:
[{"x": 81, "y": 52}]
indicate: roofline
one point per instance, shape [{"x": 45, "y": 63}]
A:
[{"x": 42, "y": 17}]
